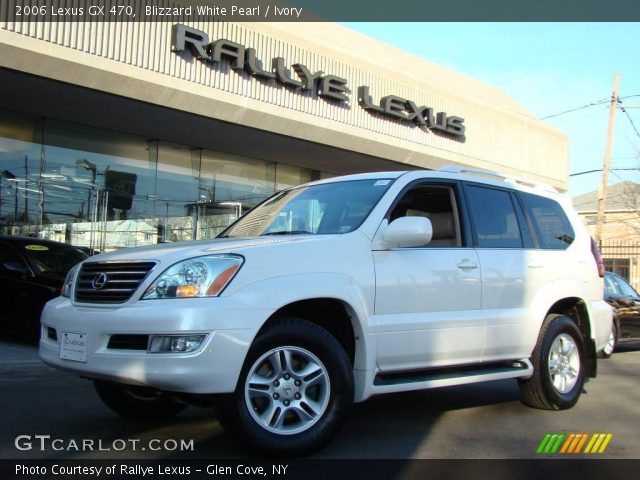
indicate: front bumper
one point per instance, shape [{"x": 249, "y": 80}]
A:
[{"x": 213, "y": 368}]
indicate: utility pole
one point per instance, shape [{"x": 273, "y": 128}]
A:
[
  {"x": 602, "y": 191},
  {"x": 26, "y": 192}
]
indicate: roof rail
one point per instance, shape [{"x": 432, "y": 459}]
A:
[{"x": 501, "y": 176}]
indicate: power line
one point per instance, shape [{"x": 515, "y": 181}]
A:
[
  {"x": 592, "y": 201},
  {"x": 599, "y": 170},
  {"x": 592, "y": 104},
  {"x": 624, "y": 110}
]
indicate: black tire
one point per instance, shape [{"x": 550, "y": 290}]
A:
[
  {"x": 539, "y": 391},
  {"x": 293, "y": 337},
  {"x": 137, "y": 402},
  {"x": 608, "y": 350}
]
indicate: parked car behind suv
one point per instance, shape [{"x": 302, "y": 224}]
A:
[
  {"x": 338, "y": 290},
  {"x": 625, "y": 302},
  {"x": 32, "y": 271}
]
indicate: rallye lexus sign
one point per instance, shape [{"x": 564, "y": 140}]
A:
[{"x": 330, "y": 87}]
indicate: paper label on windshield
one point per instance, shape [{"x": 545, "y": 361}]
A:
[
  {"x": 36, "y": 247},
  {"x": 381, "y": 183}
]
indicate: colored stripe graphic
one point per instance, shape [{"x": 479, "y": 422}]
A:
[
  {"x": 556, "y": 445},
  {"x": 543, "y": 443},
  {"x": 574, "y": 442},
  {"x": 598, "y": 443},
  {"x": 565, "y": 447},
  {"x": 550, "y": 443},
  {"x": 582, "y": 442}
]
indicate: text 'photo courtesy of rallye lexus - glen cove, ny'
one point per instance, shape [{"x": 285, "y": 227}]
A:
[{"x": 331, "y": 292}]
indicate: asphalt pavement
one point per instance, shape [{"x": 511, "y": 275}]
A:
[{"x": 42, "y": 407}]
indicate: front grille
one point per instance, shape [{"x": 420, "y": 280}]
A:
[
  {"x": 110, "y": 282},
  {"x": 128, "y": 342}
]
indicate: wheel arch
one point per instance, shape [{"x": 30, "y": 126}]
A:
[{"x": 333, "y": 314}]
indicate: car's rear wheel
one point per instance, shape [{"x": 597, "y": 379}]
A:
[
  {"x": 294, "y": 392},
  {"x": 136, "y": 402},
  {"x": 558, "y": 362}
]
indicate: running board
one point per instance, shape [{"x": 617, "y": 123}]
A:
[{"x": 448, "y": 377}]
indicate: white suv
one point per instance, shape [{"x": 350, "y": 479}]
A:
[{"x": 334, "y": 291}]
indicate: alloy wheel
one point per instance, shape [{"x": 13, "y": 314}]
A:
[
  {"x": 564, "y": 363},
  {"x": 287, "y": 390}
]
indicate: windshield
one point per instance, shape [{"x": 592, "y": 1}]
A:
[
  {"x": 337, "y": 207},
  {"x": 51, "y": 258}
]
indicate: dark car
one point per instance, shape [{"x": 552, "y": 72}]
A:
[
  {"x": 626, "y": 311},
  {"x": 32, "y": 272}
]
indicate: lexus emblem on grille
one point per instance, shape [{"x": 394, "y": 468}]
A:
[{"x": 99, "y": 281}]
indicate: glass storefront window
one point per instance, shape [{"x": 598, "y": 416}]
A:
[
  {"x": 288, "y": 176},
  {"x": 105, "y": 190},
  {"x": 177, "y": 191},
  {"x": 98, "y": 187},
  {"x": 229, "y": 186},
  {"x": 20, "y": 160}
]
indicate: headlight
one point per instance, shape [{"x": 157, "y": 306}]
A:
[
  {"x": 68, "y": 282},
  {"x": 195, "y": 277}
]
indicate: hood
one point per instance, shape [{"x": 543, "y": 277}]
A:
[{"x": 181, "y": 250}]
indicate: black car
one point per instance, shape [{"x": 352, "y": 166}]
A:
[
  {"x": 32, "y": 272},
  {"x": 626, "y": 311}
]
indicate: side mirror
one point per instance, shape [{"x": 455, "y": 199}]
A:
[
  {"x": 16, "y": 267},
  {"x": 409, "y": 232}
]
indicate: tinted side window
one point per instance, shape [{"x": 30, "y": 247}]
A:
[
  {"x": 551, "y": 225},
  {"x": 494, "y": 218}
]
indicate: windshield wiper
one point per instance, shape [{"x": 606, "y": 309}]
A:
[{"x": 286, "y": 232}]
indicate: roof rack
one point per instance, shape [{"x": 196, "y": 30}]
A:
[{"x": 501, "y": 176}]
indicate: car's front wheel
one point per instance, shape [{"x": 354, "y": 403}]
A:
[
  {"x": 295, "y": 390},
  {"x": 558, "y": 362},
  {"x": 136, "y": 402}
]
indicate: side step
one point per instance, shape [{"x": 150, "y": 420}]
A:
[{"x": 450, "y": 376}]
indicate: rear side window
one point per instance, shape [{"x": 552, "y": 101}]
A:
[
  {"x": 494, "y": 218},
  {"x": 550, "y": 223}
]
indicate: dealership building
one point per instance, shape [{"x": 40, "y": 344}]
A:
[{"x": 134, "y": 133}]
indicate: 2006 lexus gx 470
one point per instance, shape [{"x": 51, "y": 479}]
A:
[{"x": 334, "y": 291}]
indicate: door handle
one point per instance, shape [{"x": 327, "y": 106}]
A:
[
  {"x": 467, "y": 265},
  {"x": 534, "y": 265}
]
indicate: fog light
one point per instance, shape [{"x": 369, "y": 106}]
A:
[{"x": 175, "y": 343}]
